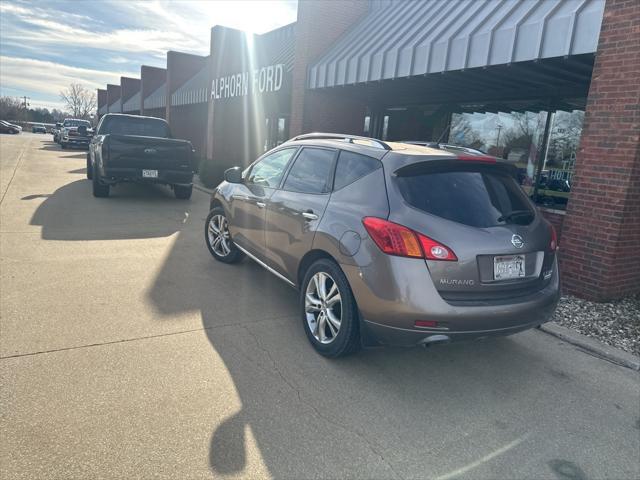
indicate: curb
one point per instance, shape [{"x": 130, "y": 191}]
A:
[
  {"x": 198, "y": 186},
  {"x": 595, "y": 347}
]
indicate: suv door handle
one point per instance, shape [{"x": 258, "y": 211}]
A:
[
  {"x": 309, "y": 215},
  {"x": 261, "y": 204}
]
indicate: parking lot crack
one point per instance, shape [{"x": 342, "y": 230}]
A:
[
  {"x": 126, "y": 340},
  {"x": 307, "y": 404}
]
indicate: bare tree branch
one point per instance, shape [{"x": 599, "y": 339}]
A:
[{"x": 80, "y": 101}]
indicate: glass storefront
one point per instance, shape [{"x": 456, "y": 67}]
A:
[
  {"x": 544, "y": 167},
  {"x": 277, "y": 132}
]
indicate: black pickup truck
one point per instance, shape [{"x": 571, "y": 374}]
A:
[{"x": 132, "y": 148}]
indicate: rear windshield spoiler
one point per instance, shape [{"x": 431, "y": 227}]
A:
[{"x": 456, "y": 164}]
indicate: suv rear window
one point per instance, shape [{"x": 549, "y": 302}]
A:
[{"x": 478, "y": 197}]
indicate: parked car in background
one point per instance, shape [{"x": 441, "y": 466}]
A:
[
  {"x": 133, "y": 148},
  {"x": 38, "y": 128},
  {"x": 75, "y": 133},
  {"x": 6, "y": 127},
  {"x": 56, "y": 132},
  {"x": 390, "y": 243}
]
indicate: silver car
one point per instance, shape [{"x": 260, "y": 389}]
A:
[{"x": 390, "y": 243}]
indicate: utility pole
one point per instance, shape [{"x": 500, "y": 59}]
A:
[
  {"x": 25, "y": 106},
  {"x": 499, "y": 127}
]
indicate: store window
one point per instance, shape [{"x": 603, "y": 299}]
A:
[
  {"x": 518, "y": 137},
  {"x": 277, "y": 132},
  {"x": 385, "y": 127},
  {"x": 367, "y": 125}
]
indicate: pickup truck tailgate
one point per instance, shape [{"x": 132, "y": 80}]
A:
[{"x": 130, "y": 151}]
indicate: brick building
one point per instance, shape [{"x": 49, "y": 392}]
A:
[
  {"x": 550, "y": 86},
  {"x": 130, "y": 95},
  {"x": 114, "y": 104},
  {"x": 153, "y": 99}
]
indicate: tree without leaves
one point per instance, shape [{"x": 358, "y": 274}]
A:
[
  {"x": 80, "y": 101},
  {"x": 10, "y": 108}
]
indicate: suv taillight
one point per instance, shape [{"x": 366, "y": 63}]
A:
[
  {"x": 395, "y": 239},
  {"x": 553, "y": 245}
]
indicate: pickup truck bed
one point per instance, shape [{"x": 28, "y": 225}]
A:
[{"x": 129, "y": 155}]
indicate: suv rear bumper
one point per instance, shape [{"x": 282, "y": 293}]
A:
[
  {"x": 391, "y": 303},
  {"x": 173, "y": 177}
]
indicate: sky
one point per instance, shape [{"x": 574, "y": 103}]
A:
[{"x": 45, "y": 46}]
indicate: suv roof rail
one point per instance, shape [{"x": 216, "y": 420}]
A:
[{"x": 341, "y": 136}]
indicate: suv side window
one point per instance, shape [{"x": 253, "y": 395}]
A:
[
  {"x": 311, "y": 173},
  {"x": 352, "y": 166},
  {"x": 269, "y": 171}
]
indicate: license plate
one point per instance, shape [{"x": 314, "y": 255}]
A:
[
  {"x": 508, "y": 266},
  {"x": 150, "y": 173}
]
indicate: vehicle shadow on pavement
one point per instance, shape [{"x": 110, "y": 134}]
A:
[
  {"x": 51, "y": 146},
  {"x": 72, "y": 212},
  {"x": 382, "y": 413}
]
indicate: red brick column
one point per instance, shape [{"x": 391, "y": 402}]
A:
[
  {"x": 151, "y": 78},
  {"x": 113, "y": 95},
  {"x": 600, "y": 247},
  {"x": 128, "y": 88},
  {"x": 320, "y": 23},
  {"x": 102, "y": 100}
]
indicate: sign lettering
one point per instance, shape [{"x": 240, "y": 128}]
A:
[{"x": 258, "y": 81}]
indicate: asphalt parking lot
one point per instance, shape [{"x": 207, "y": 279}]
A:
[{"x": 128, "y": 352}]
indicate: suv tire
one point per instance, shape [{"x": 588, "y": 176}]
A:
[
  {"x": 347, "y": 338},
  {"x": 89, "y": 167},
  {"x": 100, "y": 189},
  {"x": 183, "y": 192},
  {"x": 216, "y": 222}
]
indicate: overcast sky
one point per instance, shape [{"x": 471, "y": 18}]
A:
[{"x": 45, "y": 46}]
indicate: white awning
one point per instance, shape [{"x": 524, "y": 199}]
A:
[
  {"x": 115, "y": 107},
  {"x": 158, "y": 99},
  {"x": 406, "y": 39},
  {"x": 133, "y": 104}
]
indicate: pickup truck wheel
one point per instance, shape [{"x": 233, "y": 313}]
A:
[
  {"x": 216, "y": 234},
  {"x": 183, "y": 192},
  {"x": 89, "y": 168},
  {"x": 100, "y": 189}
]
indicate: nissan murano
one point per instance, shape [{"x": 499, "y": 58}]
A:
[{"x": 390, "y": 243}]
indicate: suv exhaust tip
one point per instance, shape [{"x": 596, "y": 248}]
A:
[{"x": 433, "y": 340}]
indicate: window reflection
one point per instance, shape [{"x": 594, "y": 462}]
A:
[{"x": 518, "y": 138}]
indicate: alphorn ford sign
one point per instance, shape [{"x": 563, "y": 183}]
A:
[{"x": 258, "y": 81}]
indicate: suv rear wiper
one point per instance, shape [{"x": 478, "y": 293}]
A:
[{"x": 514, "y": 214}]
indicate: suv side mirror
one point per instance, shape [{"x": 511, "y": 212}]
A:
[{"x": 233, "y": 175}]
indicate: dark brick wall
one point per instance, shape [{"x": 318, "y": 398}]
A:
[
  {"x": 320, "y": 24},
  {"x": 128, "y": 88},
  {"x": 189, "y": 122},
  {"x": 180, "y": 68},
  {"x": 155, "y": 112},
  {"x": 601, "y": 232},
  {"x": 151, "y": 78},
  {"x": 113, "y": 94}
]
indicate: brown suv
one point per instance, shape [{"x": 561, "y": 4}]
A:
[{"x": 390, "y": 242}]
